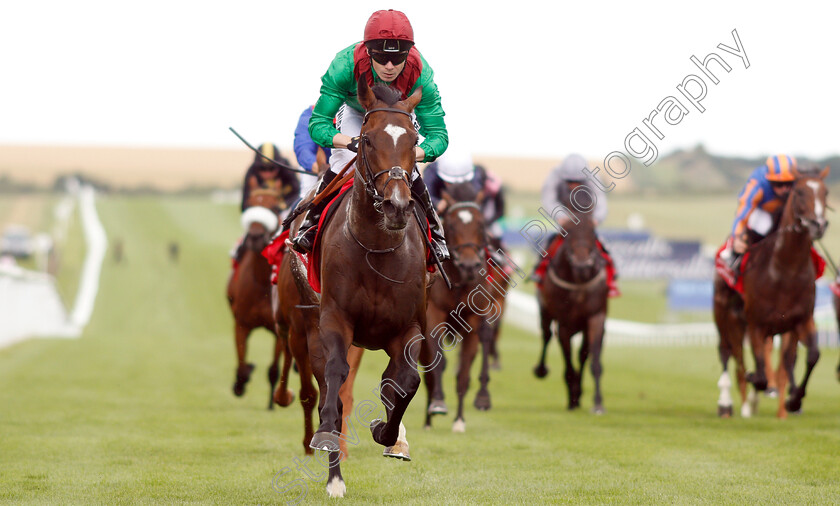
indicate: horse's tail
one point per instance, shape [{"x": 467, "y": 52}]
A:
[{"x": 308, "y": 296}]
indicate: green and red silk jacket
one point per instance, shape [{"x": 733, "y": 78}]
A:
[{"x": 338, "y": 86}]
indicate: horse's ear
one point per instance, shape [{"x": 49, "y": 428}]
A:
[
  {"x": 824, "y": 173},
  {"x": 366, "y": 96},
  {"x": 412, "y": 101}
]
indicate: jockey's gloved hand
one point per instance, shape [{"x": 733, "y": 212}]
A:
[{"x": 354, "y": 144}]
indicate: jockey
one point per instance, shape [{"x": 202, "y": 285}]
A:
[
  {"x": 386, "y": 55},
  {"x": 264, "y": 174},
  {"x": 759, "y": 203},
  {"x": 456, "y": 167},
  {"x": 557, "y": 191},
  {"x": 307, "y": 152}
]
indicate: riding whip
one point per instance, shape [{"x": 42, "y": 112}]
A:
[{"x": 275, "y": 162}]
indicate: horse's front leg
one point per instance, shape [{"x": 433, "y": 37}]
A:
[
  {"x": 564, "y": 335},
  {"x": 757, "y": 336},
  {"x": 469, "y": 348},
  {"x": 485, "y": 335},
  {"x": 243, "y": 369},
  {"x": 335, "y": 339},
  {"x": 594, "y": 336},
  {"x": 400, "y": 382},
  {"x": 541, "y": 371},
  {"x": 809, "y": 333},
  {"x": 283, "y": 396}
]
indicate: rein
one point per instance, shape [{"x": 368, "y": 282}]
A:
[
  {"x": 368, "y": 251},
  {"x": 395, "y": 173}
]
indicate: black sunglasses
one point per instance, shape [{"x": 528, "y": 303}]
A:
[
  {"x": 781, "y": 184},
  {"x": 383, "y": 58}
]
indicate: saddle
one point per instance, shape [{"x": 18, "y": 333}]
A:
[{"x": 736, "y": 282}]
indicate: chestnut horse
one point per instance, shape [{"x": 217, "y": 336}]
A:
[
  {"x": 249, "y": 294},
  {"x": 452, "y": 315},
  {"x": 296, "y": 314},
  {"x": 779, "y": 296},
  {"x": 373, "y": 277},
  {"x": 574, "y": 294}
]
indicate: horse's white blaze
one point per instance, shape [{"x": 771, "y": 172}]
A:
[
  {"x": 459, "y": 426},
  {"x": 465, "y": 216},
  {"x": 395, "y": 132},
  {"x": 336, "y": 487},
  {"x": 818, "y": 206},
  {"x": 725, "y": 400}
]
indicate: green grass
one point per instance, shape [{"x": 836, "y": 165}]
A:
[{"x": 140, "y": 411}]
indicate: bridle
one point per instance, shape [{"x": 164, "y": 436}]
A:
[
  {"x": 395, "y": 173},
  {"x": 479, "y": 248}
]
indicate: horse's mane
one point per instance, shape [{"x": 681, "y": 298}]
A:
[{"x": 386, "y": 93}]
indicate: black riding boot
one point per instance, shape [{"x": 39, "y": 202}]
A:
[
  {"x": 302, "y": 242},
  {"x": 421, "y": 192}
]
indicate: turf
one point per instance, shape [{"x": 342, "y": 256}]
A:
[{"x": 140, "y": 410}]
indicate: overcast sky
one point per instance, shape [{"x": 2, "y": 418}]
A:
[{"x": 521, "y": 78}]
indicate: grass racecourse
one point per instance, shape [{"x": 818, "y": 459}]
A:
[{"x": 139, "y": 410}]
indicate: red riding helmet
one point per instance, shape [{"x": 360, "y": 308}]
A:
[
  {"x": 390, "y": 25},
  {"x": 781, "y": 168}
]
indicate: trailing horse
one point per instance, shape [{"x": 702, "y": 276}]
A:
[
  {"x": 296, "y": 312},
  {"x": 249, "y": 295},
  {"x": 453, "y": 314},
  {"x": 778, "y": 298},
  {"x": 574, "y": 295}
]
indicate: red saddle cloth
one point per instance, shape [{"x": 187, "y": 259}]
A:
[
  {"x": 724, "y": 269},
  {"x": 313, "y": 260},
  {"x": 542, "y": 267},
  {"x": 274, "y": 254}
]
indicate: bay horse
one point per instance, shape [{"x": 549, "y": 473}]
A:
[
  {"x": 574, "y": 295},
  {"x": 779, "y": 296},
  {"x": 373, "y": 277},
  {"x": 249, "y": 295},
  {"x": 452, "y": 315},
  {"x": 296, "y": 313}
]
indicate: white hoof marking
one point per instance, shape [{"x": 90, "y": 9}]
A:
[
  {"x": 336, "y": 487},
  {"x": 459, "y": 426}
]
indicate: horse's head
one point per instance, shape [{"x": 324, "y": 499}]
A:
[
  {"x": 386, "y": 151},
  {"x": 466, "y": 232},
  {"x": 580, "y": 249},
  {"x": 807, "y": 203},
  {"x": 260, "y": 218}
]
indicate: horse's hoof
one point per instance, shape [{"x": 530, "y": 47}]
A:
[
  {"x": 541, "y": 371},
  {"x": 598, "y": 410},
  {"x": 437, "y": 407},
  {"x": 459, "y": 426},
  {"x": 325, "y": 441},
  {"x": 284, "y": 400},
  {"x": 793, "y": 405},
  {"x": 239, "y": 389},
  {"x": 771, "y": 393},
  {"x": 336, "y": 487},
  {"x": 496, "y": 365},
  {"x": 398, "y": 451},
  {"x": 746, "y": 411},
  {"x": 482, "y": 402},
  {"x": 725, "y": 411}
]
